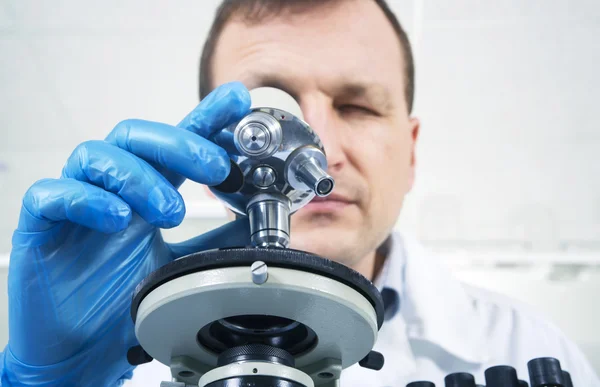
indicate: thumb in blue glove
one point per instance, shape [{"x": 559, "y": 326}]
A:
[{"x": 84, "y": 242}]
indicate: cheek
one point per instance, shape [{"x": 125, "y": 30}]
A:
[
  {"x": 384, "y": 164},
  {"x": 386, "y": 156}
]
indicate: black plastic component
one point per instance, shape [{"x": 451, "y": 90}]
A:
[
  {"x": 137, "y": 356},
  {"x": 254, "y": 380},
  {"x": 245, "y": 256},
  {"x": 501, "y": 376},
  {"x": 459, "y": 379},
  {"x": 391, "y": 302},
  {"x": 256, "y": 352},
  {"x": 289, "y": 335},
  {"x": 373, "y": 361},
  {"x": 567, "y": 379},
  {"x": 545, "y": 372},
  {"x": 234, "y": 181}
]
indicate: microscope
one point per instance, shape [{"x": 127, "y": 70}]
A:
[
  {"x": 265, "y": 315},
  {"x": 261, "y": 314}
]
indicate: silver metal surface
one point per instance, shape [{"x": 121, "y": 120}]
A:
[
  {"x": 256, "y": 368},
  {"x": 258, "y": 135},
  {"x": 278, "y": 136},
  {"x": 259, "y": 272},
  {"x": 188, "y": 370},
  {"x": 254, "y": 138},
  {"x": 304, "y": 170},
  {"x": 263, "y": 177},
  {"x": 168, "y": 318},
  {"x": 269, "y": 220},
  {"x": 175, "y": 384},
  {"x": 314, "y": 177},
  {"x": 328, "y": 366}
]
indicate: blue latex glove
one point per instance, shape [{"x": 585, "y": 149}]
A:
[{"x": 84, "y": 242}]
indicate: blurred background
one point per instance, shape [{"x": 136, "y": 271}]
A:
[{"x": 508, "y": 178}]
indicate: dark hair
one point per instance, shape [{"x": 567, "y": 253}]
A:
[{"x": 255, "y": 11}]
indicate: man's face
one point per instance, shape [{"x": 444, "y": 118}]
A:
[{"x": 344, "y": 67}]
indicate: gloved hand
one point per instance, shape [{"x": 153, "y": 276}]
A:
[{"x": 84, "y": 242}]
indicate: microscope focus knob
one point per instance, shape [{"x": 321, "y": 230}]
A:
[
  {"x": 545, "y": 372},
  {"x": 374, "y": 361},
  {"x": 459, "y": 379},
  {"x": 137, "y": 356},
  {"x": 420, "y": 384},
  {"x": 501, "y": 376},
  {"x": 567, "y": 379}
]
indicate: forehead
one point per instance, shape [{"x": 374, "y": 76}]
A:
[{"x": 323, "y": 47}]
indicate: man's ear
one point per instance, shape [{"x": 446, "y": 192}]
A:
[
  {"x": 415, "y": 125},
  {"x": 230, "y": 214}
]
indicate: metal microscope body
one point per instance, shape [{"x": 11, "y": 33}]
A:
[
  {"x": 282, "y": 165},
  {"x": 262, "y": 313}
]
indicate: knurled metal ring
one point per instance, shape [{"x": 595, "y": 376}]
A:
[{"x": 258, "y": 135}]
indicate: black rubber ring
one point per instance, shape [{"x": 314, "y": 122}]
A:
[{"x": 245, "y": 256}]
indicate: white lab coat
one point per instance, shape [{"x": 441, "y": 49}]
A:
[{"x": 443, "y": 326}]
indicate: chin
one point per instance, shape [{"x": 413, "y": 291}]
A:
[{"x": 326, "y": 238}]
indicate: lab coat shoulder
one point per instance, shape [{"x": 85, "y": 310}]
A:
[{"x": 518, "y": 333}]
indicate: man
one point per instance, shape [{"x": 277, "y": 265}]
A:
[{"x": 85, "y": 240}]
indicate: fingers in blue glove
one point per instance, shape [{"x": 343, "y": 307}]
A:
[
  {"x": 145, "y": 190},
  {"x": 178, "y": 156},
  {"x": 224, "y": 105},
  {"x": 174, "y": 149},
  {"x": 232, "y": 234},
  {"x": 51, "y": 200}
]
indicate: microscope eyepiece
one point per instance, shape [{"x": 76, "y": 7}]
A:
[
  {"x": 325, "y": 186},
  {"x": 305, "y": 171},
  {"x": 316, "y": 179}
]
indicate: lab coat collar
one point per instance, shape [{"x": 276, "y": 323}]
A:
[{"x": 432, "y": 302}]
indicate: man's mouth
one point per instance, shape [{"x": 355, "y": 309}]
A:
[{"x": 331, "y": 203}]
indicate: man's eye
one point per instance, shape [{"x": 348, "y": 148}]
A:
[{"x": 356, "y": 109}]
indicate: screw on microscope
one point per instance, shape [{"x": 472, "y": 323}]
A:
[
  {"x": 263, "y": 177},
  {"x": 259, "y": 272}
]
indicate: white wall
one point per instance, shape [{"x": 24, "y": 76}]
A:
[{"x": 508, "y": 160}]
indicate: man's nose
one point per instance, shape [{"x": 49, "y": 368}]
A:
[{"x": 322, "y": 117}]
